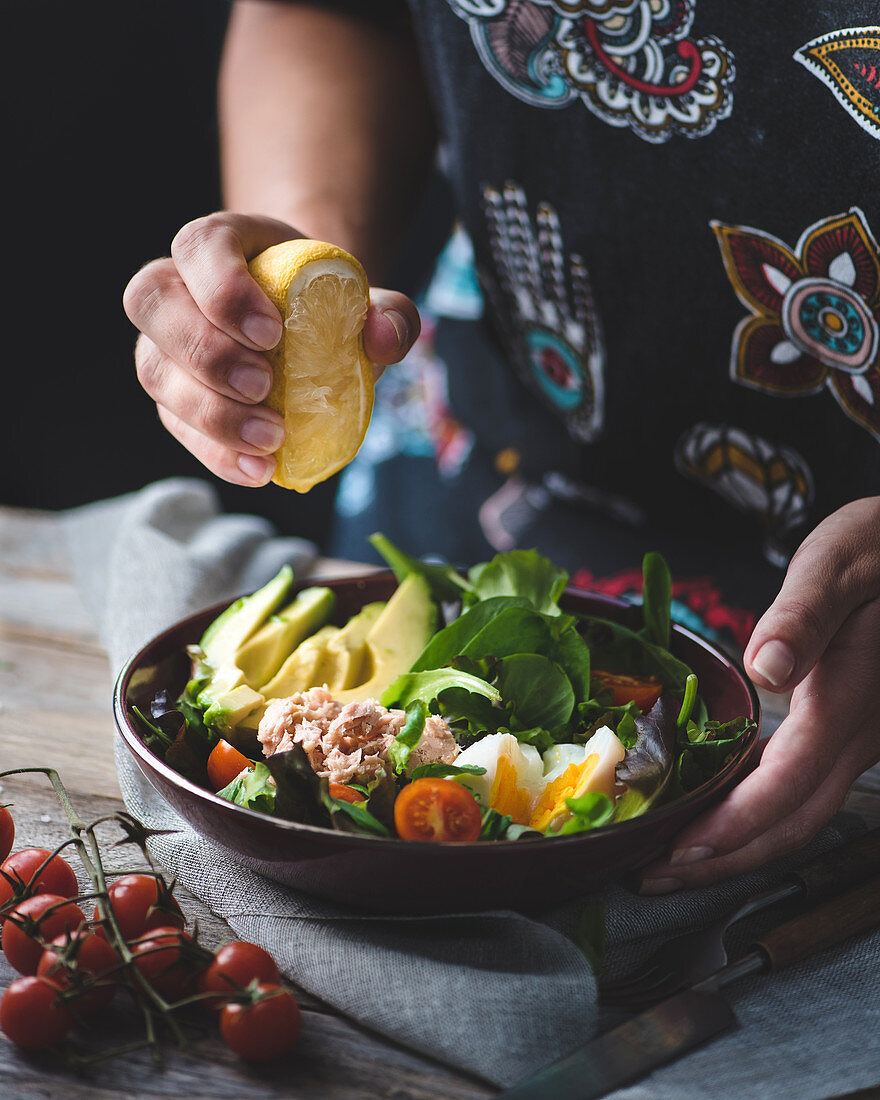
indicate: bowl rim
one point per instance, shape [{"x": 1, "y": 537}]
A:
[{"x": 620, "y": 828}]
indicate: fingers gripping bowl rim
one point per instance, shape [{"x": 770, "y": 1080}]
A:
[{"x": 322, "y": 378}]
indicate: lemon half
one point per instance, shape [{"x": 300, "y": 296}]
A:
[{"x": 323, "y": 381}]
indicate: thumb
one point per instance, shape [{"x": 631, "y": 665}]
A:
[
  {"x": 391, "y": 327},
  {"x": 834, "y": 571}
]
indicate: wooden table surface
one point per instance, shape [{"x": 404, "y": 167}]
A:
[{"x": 55, "y": 710}]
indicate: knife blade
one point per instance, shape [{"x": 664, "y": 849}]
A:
[{"x": 679, "y": 1024}]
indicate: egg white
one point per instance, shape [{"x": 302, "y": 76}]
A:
[{"x": 532, "y": 789}]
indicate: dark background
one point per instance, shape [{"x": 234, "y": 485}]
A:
[{"x": 111, "y": 147}]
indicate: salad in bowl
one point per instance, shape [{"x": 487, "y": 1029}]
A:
[{"x": 468, "y": 707}]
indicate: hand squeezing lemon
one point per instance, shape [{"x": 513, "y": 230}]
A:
[{"x": 323, "y": 381}]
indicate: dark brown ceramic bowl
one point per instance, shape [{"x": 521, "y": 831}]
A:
[{"x": 382, "y": 874}]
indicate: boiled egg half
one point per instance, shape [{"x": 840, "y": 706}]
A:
[{"x": 530, "y": 788}]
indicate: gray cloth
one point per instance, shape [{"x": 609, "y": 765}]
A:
[{"x": 497, "y": 994}]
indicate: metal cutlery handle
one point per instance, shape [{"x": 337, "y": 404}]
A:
[
  {"x": 843, "y": 866},
  {"x": 833, "y": 921}
]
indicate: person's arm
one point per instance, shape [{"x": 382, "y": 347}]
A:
[
  {"x": 325, "y": 124},
  {"x": 326, "y": 132}
]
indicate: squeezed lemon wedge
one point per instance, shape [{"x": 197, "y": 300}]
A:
[{"x": 323, "y": 380}]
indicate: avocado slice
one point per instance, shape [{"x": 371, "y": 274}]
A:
[
  {"x": 302, "y": 667},
  {"x": 346, "y": 651},
  {"x": 262, "y": 655},
  {"x": 232, "y": 628},
  {"x": 396, "y": 639},
  {"x": 229, "y": 709}
]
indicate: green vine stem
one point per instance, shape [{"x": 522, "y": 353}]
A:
[{"x": 152, "y": 1004}]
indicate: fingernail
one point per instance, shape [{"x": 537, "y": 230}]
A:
[
  {"x": 256, "y": 468},
  {"x": 659, "y": 885},
  {"x": 253, "y": 383},
  {"x": 682, "y": 856},
  {"x": 261, "y": 330},
  {"x": 263, "y": 433},
  {"x": 774, "y": 661},
  {"x": 398, "y": 320}
]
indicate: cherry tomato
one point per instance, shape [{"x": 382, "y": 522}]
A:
[
  {"x": 644, "y": 691},
  {"x": 32, "y": 1014},
  {"x": 235, "y": 966},
  {"x": 57, "y": 877},
  {"x": 265, "y": 1028},
  {"x": 33, "y": 923},
  {"x": 165, "y": 957},
  {"x": 347, "y": 794},
  {"x": 85, "y": 963},
  {"x": 225, "y": 763},
  {"x": 141, "y": 902},
  {"x": 437, "y": 809},
  {"x": 7, "y": 832}
]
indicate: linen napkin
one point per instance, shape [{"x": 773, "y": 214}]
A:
[{"x": 497, "y": 994}]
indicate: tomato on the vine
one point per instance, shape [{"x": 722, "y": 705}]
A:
[
  {"x": 225, "y": 763},
  {"x": 437, "y": 809},
  {"x": 33, "y": 1015},
  {"x": 141, "y": 902},
  {"x": 23, "y": 869},
  {"x": 167, "y": 958},
  {"x": 234, "y": 967},
  {"x": 265, "y": 1027},
  {"x": 644, "y": 691},
  {"x": 33, "y": 923},
  {"x": 84, "y": 963},
  {"x": 7, "y": 832}
]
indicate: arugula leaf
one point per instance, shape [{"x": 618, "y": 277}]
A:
[
  {"x": 353, "y": 817},
  {"x": 536, "y": 690},
  {"x": 592, "y": 809},
  {"x": 428, "y": 685},
  {"x": 452, "y": 640},
  {"x": 253, "y": 788},
  {"x": 520, "y": 573},
  {"x": 620, "y": 649},
  {"x": 445, "y": 580},
  {"x": 439, "y": 770},
  {"x": 657, "y": 599},
  {"x": 495, "y": 825},
  {"x": 409, "y": 736}
]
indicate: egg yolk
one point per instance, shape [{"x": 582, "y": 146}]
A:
[
  {"x": 568, "y": 785},
  {"x": 506, "y": 797}
]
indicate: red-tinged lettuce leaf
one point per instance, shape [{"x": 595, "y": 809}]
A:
[{"x": 649, "y": 763}]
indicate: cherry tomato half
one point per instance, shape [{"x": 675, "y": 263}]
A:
[
  {"x": 7, "y": 832},
  {"x": 437, "y": 809},
  {"x": 85, "y": 963},
  {"x": 643, "y": 691},
  {"x": 346, "y": 794},
  {"x": 164, "y": 957},
  {"x": 32, "y": 1014},
  {"x": 264, "y": 1029},
  {"x": 235, "y": 966},
  {"x": 141, "y": 902},
  {"x": 33, "y": 923},
  {"x": 57, "y": 877},
  {"x": 225, "y": 763}
]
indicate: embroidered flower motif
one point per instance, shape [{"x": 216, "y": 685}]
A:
[{"x": 815, "y": 313}]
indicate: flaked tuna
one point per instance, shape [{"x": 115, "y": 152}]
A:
[{"x": 347, "y": 744}]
